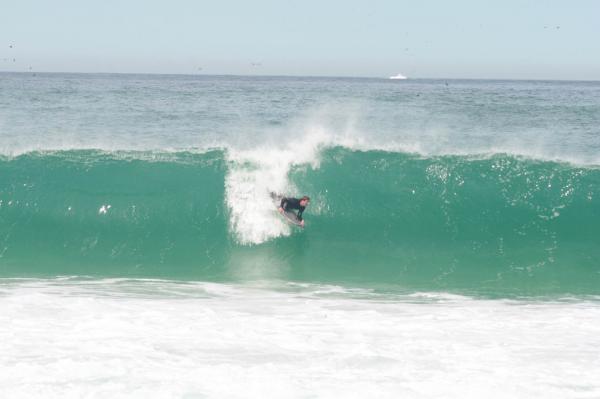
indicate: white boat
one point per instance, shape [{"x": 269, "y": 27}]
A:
[{"x": 398, "y": 77}]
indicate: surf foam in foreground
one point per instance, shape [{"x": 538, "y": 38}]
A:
[{"x": 125, "y": 338}]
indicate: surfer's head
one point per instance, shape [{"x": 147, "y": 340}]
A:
[{"x": 304, "y": 200}]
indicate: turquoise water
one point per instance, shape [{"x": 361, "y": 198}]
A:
[
  {"x": 451, "y": 246},
  {"x": 470, "y": 186}
]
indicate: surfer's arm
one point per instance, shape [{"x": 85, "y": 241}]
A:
[{"x": 300, "y": 214}]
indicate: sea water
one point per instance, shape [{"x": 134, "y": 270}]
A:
[{"x": 451, "y": 248}]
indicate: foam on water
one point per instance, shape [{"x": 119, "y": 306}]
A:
[
  {"x": 257, "y": 172},
  {"x": 156, "y": 339},
  {"x": 252, "y": 176}
]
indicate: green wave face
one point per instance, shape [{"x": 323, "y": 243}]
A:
[
  {"x": 451, "y": 222},
  {"x": 498, "y": 225},
  {"x": 90, "y": 213}
]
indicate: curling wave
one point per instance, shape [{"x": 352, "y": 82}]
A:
[{"x": 498, "y": 223}]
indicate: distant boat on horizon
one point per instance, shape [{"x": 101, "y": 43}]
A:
[{"x": 398, "y": 77}]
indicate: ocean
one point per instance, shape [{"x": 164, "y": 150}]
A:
[{"x": 451, "y": 247}]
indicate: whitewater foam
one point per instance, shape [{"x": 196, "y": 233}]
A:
[
  {"x": 155, "y": 339},
  {"x": 255, "y": 173}
]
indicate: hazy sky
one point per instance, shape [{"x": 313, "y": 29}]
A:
[{"x": 520, "y": 39}]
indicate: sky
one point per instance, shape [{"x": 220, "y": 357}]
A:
[{"x": 509, "y": 39}]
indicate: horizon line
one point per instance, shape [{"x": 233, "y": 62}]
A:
[{"x": 297, "y": 76}]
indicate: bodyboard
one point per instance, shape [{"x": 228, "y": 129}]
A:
[{"x": 288, "y": 216}]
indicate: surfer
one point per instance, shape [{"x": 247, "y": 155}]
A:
[{"x": 295, "y": 203}]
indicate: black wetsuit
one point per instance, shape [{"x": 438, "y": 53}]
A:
[{"x": 292, "y": 203}]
